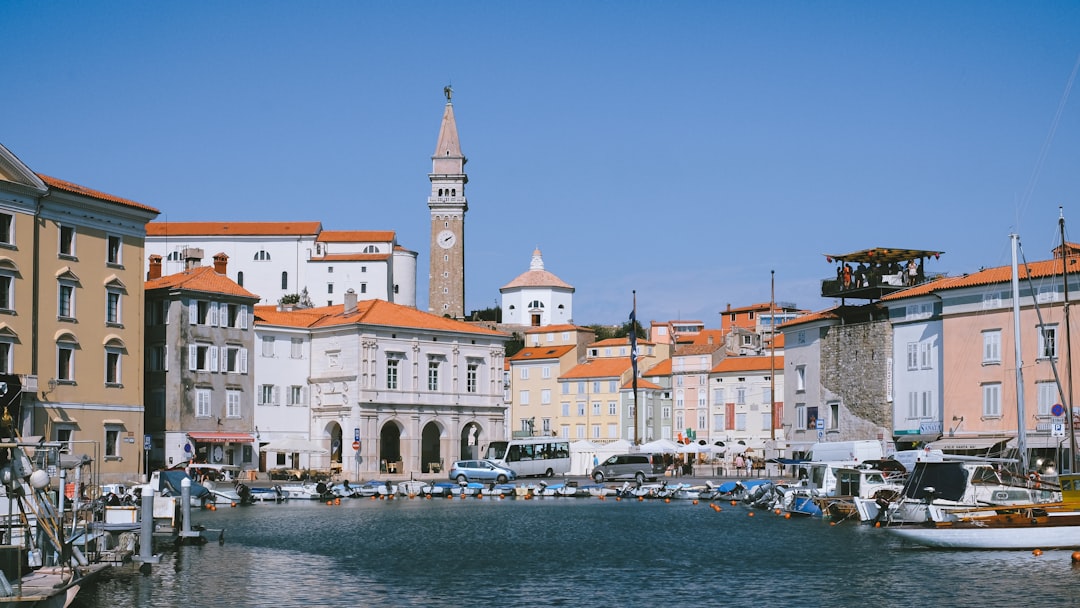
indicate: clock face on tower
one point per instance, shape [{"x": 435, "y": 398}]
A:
[{"x": 446, "y": 239}]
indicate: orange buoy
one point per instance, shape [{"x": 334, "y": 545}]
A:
[
  {"x": 329, "y": 503},
  {"x": 667, "y": 500},
  {"x": 832, "y": 523},
  {"x": 640, "y": 498},
  {"x": 777, "y": 511},
  {"x": 618, "y": 498},
  {"x": 787, "y": 515},
  {"x": 695, "y": 501},
  {"x": 1037, "y": 552},
  {"x": 1076, "y": 556},
  {"x": 733, "y": 503},
  {"x": 751, "y": 513},
  {"x": 337, "y": 501},
  {"x": 233, "y": 504}
]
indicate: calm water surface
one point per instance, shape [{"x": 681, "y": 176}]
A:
[{"x": 568, "y": 552}]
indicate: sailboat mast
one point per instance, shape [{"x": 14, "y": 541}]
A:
[
  {"x": 772, "y": 355},
  {"x": 1021, "y": 433},
  {"x": 1069, "y": 423}
]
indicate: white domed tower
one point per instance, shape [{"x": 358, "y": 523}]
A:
[{"x": 537, "y": 298}]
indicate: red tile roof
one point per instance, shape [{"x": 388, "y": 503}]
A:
[
  {"x": 749, "y": 364},
  {"x": 233, "y": 228},
  {"x": 356, "y": 236},
  {"x": 986, "y": 276},
  {"x": 641, "y": 383},
  {"x": 200, "y": 278},
  {"x": 662, "y": 368},
  {"x": 352, "y": 257},
  {"x": 66, "y": 186},
  {"x": 828, "y": 313},
  {"x": 620, "y": 342},
  {"x": 598, "y": 368},
  {"x": 697, "y": 349},
  {"x": 368, "y": 312},
  {"x": 534, "y": 353}
]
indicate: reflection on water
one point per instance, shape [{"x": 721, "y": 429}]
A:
[{"x": 567, "y": 552}]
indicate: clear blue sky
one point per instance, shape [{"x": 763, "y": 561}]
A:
[{"x": 680, "y": 149}]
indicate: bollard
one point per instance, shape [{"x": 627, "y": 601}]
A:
[
  {"x": 185, "y": 511},
  {"x": 146, "y": 532}
]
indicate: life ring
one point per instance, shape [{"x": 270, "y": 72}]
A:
[{"x": 1036, "y": 478}]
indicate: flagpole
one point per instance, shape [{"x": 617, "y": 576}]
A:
[{"x": 633, "y": 366}]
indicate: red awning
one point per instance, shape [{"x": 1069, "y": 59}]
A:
[{"x": 221, "y": 437}]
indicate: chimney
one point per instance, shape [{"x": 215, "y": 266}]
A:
[
  {"x": 192, "y": 257},
  {"x": 155, "y": 267},
  {"x": 350, "y": 301},
  {"x": 221, "y": 261}
]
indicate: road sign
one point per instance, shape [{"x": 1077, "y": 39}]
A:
[
  {"x": 356, "y": 445},
  {"x": 1057, "y": 410},
  {"x": 146, "y": 444},
  {"x": 356, "y": 434},
  {"x": 820, "y": 434},
  {"x": 821, "y": 424},
  {"x": 1057, "y": 429}
]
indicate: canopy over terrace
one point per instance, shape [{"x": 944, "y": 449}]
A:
[{"x": 870, "y": 274}]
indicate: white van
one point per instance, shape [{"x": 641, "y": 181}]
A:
[{"x": 846, "y": 451}]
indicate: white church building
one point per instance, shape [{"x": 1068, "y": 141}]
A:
[{"x": 537, "y": 298}]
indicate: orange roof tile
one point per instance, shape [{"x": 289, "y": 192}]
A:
[
  {"x": 356, "y": 236},
  {"x": 534, "y": 353},
  {"x": 200, "y": 278},
  {"x": 368, "y": 312},
  {"x": 986, "y": 276},
  {"x": 66, "y": 186},
  {"x": 598, "y": 368},
  {"x": 828, "y": 313},
  {"x": 554, "y": 328},
  {"x": 351, "y": 257},
  {"x": 233, "y": 228},
  {"x": 697, "y": 349},
  {"x": 749, "y": 364},
  {"x": 641, "y": 383},
  {"x": 536, "y": 278},
  {"x": 662, "y": 368}
]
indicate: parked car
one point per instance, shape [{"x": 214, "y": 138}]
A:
[
  {"x": 480, "y": 470},
  {"x": 630, "y": 466}
]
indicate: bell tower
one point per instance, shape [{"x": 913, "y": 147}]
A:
[{"x": 447, "y": 203}]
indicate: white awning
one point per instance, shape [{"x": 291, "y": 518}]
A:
[
  {"x": 961, "y": 444},
  {"x": 1040, "y": 442}
]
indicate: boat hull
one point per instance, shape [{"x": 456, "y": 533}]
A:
[{"x": 1002, "y": 532}]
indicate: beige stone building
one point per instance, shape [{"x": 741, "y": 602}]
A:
[{"x": 71, "y": 315}]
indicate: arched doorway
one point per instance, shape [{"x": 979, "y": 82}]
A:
[
  {"x": 390, "y": 448},
  {"x": 470, "y": 441},
  {"x": 334, "y": 431},
  {"x": 431, "y": 449}
]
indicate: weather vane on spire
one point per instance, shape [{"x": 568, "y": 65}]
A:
[{"x": 448, "y": 91}]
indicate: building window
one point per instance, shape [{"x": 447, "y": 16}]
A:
[
  {"x": 523, "y": 397},
  {"x": 433, "y": 375},
  {"x": 284, "y": 280},
  {"x": 157, "y": 312},
  {"x": 64, "y": 435},
  {"x": 392, "y": 374},
  {"x": 202, "y": 358},
  {"x": 565, "y": 409},
  {"x": 800, "y": 416},
  {"x": 991, "y": 346},
  {"x": 296, "y": 348},
  {"x": 65, "y": 362},
  {"x": 1048, "y": 395},
  {"x": 262, "y": 255},
  {"x": 612, "y": 408},
  {"x": 7, "y": 223},
  {"x": 740, "y": 421},
  {"x": 913, "y": 405},
  {"x": 296, "y": 395},
  {"x": 740, "y": 396},
  {"x": 112, "y": 307},
  {"x": 235, "y": 361},
  {"x": 925, "y": 360},
  {"x": 202, "y": 402},
  {"x": 992, "y": 400},
  {"x": 329, "y": 288},
  {"x": 5, "y": 357},
  {"x": 1048, "y": 342},
  {"x": 157, "y": 358},
  {"x": 718, "y": 396},
  {"x": 581, "y": 408},
  {"x": 112, "y": 366},
  {"x": 240, "y": 278},
  {"x": 7, "y": 295},
  {"x": 912, "y": 356},
  {"x": 65, "y": 306},
  {"x": 363, "y": 287},
  {"x": 232, "y": 404},
  {"x": 67, "y": 241},
  {"x": 112, "y": 441},
  {"x": 113, "y": 249},
  {"x": 235, "y": 316},
  {"x": 268, "y": 346},
  {"x": 524, "y": 375},
  {"x": 595, "y": 408},
  {"x": 470, "y": 381},
  {"x": 266, "y": 394}
]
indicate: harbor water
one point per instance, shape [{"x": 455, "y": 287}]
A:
[{"x": 568, "y": 552}]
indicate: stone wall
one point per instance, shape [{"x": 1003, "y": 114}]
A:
[{"x": 855, "y": 367}]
